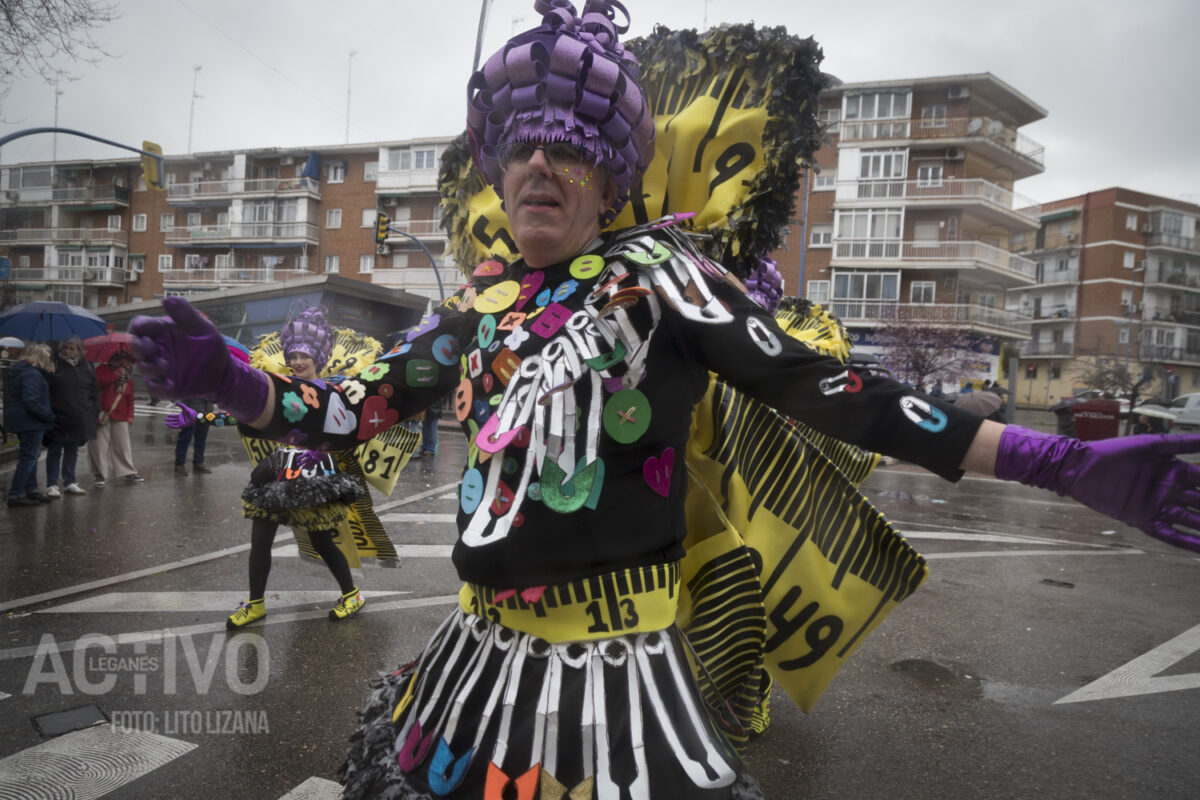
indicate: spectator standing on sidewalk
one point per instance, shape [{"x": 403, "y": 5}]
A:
[
  {"x": 28, "y": 414},
  {"x": 111, "y": 445},
  {"x": 75, "y": 399},
  {"x": 196, "y": 435}
]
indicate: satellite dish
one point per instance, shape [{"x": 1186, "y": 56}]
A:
[
  {"x": 975, "y": 126},
  {"x": 994, "y": 127}
]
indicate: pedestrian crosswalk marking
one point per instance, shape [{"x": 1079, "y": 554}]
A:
[
  {"x": 1144, "y": 675},
  {"x": 86, "y": 764},
  {"x": 193, "y": 601},
  {"x": 315, "y": 789}
]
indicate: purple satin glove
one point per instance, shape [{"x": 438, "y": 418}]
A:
[
  {"x": 184, "y": 418},
  {"x": 183, "y": 355},
  {"x": 1135, "y": 479}
]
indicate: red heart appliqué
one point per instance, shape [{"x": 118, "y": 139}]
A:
[
  {"x": 376, "y": 417},
  {"x": 657, "y": 471}
]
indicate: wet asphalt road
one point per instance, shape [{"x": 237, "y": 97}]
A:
[{"x": 958, "y": 695}]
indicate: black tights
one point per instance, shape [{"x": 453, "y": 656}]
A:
[{"x": 262, "y": 536}]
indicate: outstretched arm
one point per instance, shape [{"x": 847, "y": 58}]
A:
[
  {"x": 183, "y": 354},
  {"x": 1139, "y": 480}
]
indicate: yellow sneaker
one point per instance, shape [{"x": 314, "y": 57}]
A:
[
  {"x": 348, "y": 604},
  {"x": 246, "y": 613}
]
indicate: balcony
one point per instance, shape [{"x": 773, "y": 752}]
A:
[
  {"x": 1173, "y": 241},
  {"x": 242, "y": 187},
  {"x": 228, "y": 276},
  {"x": 418, "y": 228},
  {"x": 1001, "y": 142},
  {"x": 92, "y": 196},
  {"x": 1165, "y": 354},
  {"x": 1175, "y": 279},
  {"x": 1013, "y": 270},
  {"x": 1046, "y": 349},
  {"x": 243, "y": 232},
  {"x": 978, "y": 318},
  {"x": 92, "y": 276},
  {"x": 34, "y": 237},
  {"x": 405, "y": 181},
  {"x": 993, "y": 203},
  {"x": 1057, "y": 312}
]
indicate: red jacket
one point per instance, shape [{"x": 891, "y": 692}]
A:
[{"x": 113, "y": 381}]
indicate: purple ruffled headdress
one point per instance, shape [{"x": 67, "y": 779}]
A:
[
  {"x": 308, "y": 333},
  {"x": 568, "y": 80}
]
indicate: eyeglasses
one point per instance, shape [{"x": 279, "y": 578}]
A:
[{"x": 559, "y": 155}]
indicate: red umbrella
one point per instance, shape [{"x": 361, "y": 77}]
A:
[{"x": 99, "y": 349}]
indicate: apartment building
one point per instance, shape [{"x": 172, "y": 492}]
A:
[
  {"x": 1117, "y": 279},
  {"x": 91, "y": 233},
  {"x": 912, "y": 213}
]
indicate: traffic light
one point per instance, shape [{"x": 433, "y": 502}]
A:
[
  {"x": 381, "y": 227},
  {"x": 152, "y": 165}
]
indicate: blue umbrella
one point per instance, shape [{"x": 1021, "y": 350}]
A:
[{"x": 45, "y": 321}]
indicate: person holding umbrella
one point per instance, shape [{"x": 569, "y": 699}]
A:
[
  {"x": 116, "y": 414},
  {"x": 28, "y": 414},
  {"x": 75, "y": 399}
]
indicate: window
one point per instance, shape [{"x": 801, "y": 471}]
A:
[
  {"x": 882, "y": 173},
  {"x": 193, "y": 220},
  {"x": 139, "y": 222},
  {"x": 869, "y": 233},
  {"x": 921, "y": 291},
  {"x": 1062, "y": 264},
  {"x": 70, "y": 258},
  {"x": 24, "y": 261},
  {"x": 114, "y": 222},
  {"x": 933, "y": 116},
  {"x": 821, "y": 235},
  {"x": 301, "y": 264},
  {"x": 366, "y": 263},
  {"x": 368, "y": 218},
  {"x": 1064, "y": 227},
  {"x": 166, "y": 222},
  {"x": 986, "y": 300},
  {"x": 825, "y": 183},
  {"x": 223, "y": 220},
  {"x": 859, "y": 295},
  {"x": 1131, "y": 222},
  {"x": 336, "y": 172},
  {"x": 195, "y": 261},
  {"x": 286, "y": 210},
  {"x": 1129, "y": 259},
  {"x": 818, "y": 292},
  {"x": 164, "y": 263},
  {"x": 879, "y": 105},
  {"x": 929, "y": 175},
  {"x": 1123, "y": 335},
  {"x": 370, "y": 170},
  {"x": 331, "y": 265},
  {"x": 1055, "y": 371},
  {"x": 400, "y": 261},
  {"x": 423, "y": 159},
  {"x": 333, "y": 218},
  {"x": 137, "y": 264},
  {"x": 97, "y": 259},
  {"x": 829, "y": 119},
  {"x": 399, "y": 158}
]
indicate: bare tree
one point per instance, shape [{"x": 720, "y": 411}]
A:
[
  {"x": 39, "y": 37},
  {"x": 1114, "y": 377},
  {"x": 920, "y": 351}
]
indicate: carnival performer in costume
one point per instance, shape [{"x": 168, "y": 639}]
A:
[
  {"x": 576, "y": 369},
  {"x": 316, "y": 492}
]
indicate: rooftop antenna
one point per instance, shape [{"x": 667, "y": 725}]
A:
[
  {"x": 192, "y": 114},
  {"x": 349, "y": 69}
]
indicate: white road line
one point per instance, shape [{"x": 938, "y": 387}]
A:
[
  {"x": 86, "y": 764},
  {"x": 400, "y": 517},
  {"x": 129, "y": 576},
  {"x": 1020, "y": 553},
  {"x": 1006, "y": 538},
  {"x": 186, "y": 562},
  {"x": 402, "y": 550},
  {"x": 158, "y": 635},
  {"x": 191, "y": 601},
  {"x": 1139, "y": 676},
  {"x": 315, "y": 789}
]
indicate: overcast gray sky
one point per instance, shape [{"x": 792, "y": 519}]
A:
[{"x": 1115, "y": 76}]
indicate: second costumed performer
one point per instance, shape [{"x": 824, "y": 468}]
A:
[
  {"x": 576, "y": 368},
  {"x": 321, "y": 495}
]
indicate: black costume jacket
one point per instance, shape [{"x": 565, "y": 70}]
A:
[{"x": 577, "y": 383}]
